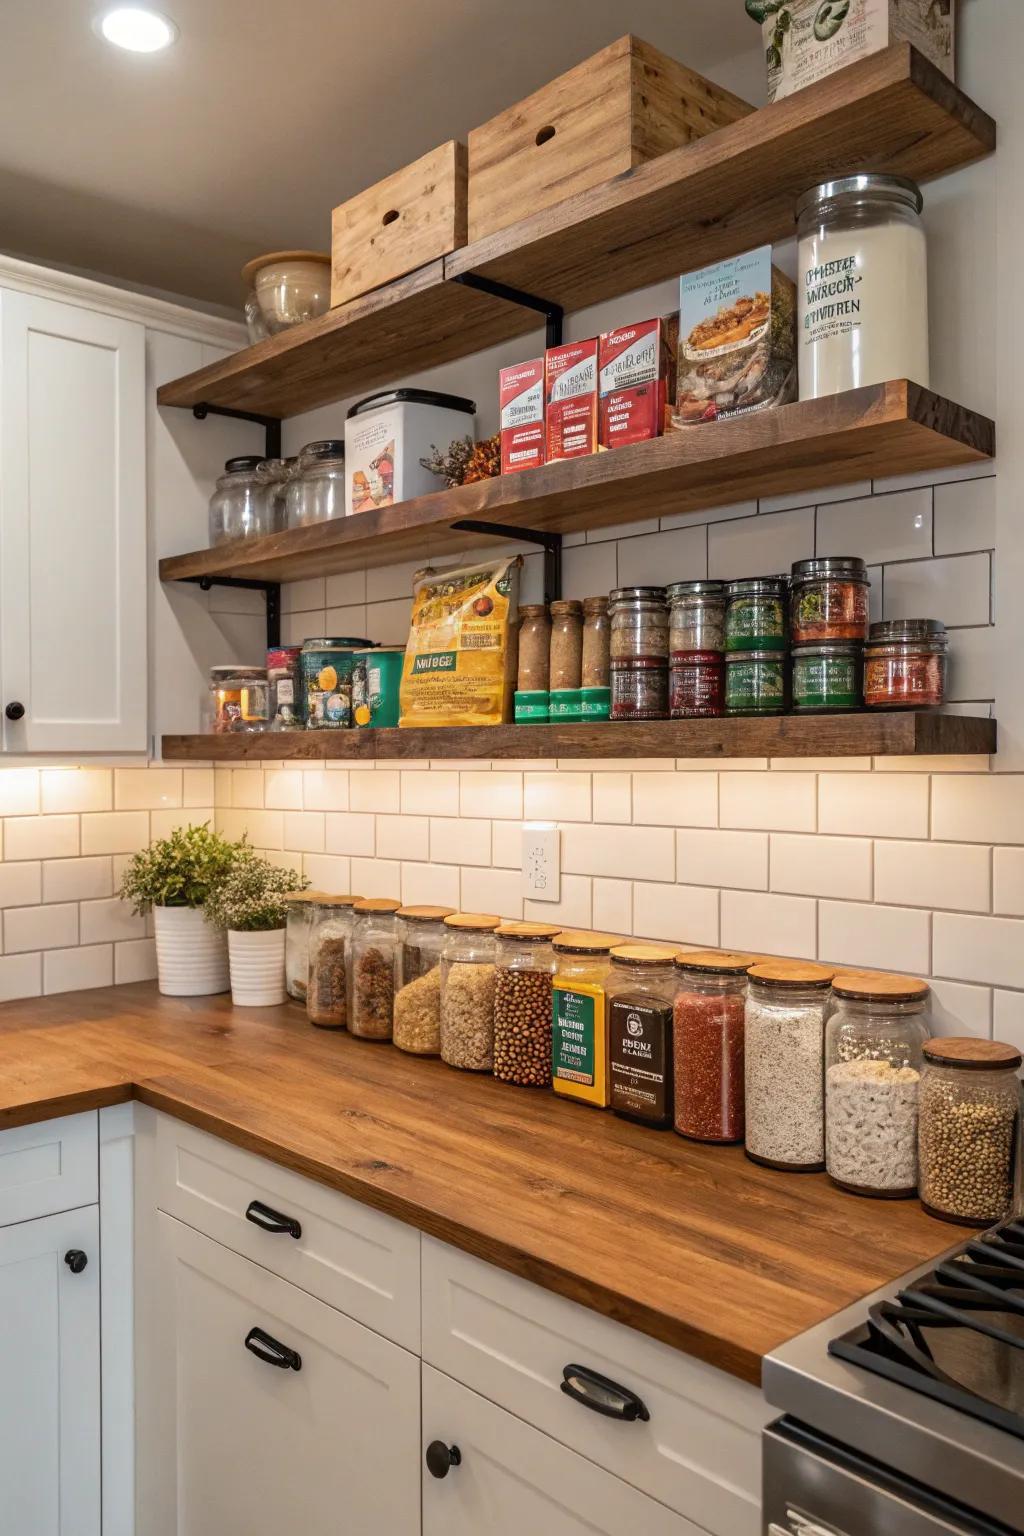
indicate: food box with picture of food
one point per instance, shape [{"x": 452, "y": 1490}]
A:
[
  {"x": 737, "y": 339},
  {"x": 805, "y": 40}
]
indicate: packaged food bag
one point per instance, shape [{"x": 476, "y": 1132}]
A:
[{"x": 460, "y": 662}]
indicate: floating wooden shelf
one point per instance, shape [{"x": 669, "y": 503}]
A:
[
  {"x": 734, "y": 189},
  {"x": 886, "y": 429},
  {"x": 859, "y": 735}
]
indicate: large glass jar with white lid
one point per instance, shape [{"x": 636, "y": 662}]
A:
[
  {"x": 784, "y": 1065},
  {"x": 375, "y": 962},
  {"x": 298, "y": 922},
  {"x": 328, "y": 996},
  {"x": 467, "y": 991},
  {"x": 523, "y": 977},
  {"x": 862, "y": 285},
  {"x": 316, "y": 489},
  {"x": 876, "y": 1029},
  {"x": 241, "y": 507},
  {"x": 968, "y": 1129}
]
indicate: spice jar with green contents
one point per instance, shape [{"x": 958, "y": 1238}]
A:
[
  {"x": 417, "y": 1022},
  {"x": 640, "y": 992},
  {"x": 467, "y": 991},
  {"x": 755, "y": 683},
  {"x": 755, "y": 614},
  {"x": 328, "y": 996},
  {"x": 828, "y": 677},
  {"x": 579, "y": 1044},
  {"x": 708, "y": 1034},
  {"x": 968, "y": 1130},
  {"x": 298, "y": 924},
  {"x": 375, "y": 961},
  {"x": 785, "y": 1064},
  {"x": 524, "y": 968}
]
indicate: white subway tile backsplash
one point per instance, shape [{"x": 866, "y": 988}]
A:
[
  {"x": 107, "y": 921},
  {"x": 784, "y": 802},
  {"x": 20, "y": 976},
  {"x": 141, "y": 789},
  {"x": 852, "y": 492},
  {"x": 774, "y": 925},
  {"x": 387, "y": 623},
  {"x": 77, "y": 879},
  {"x": 492, "y": 890},
  {"x": 1008, "y": 882},
  {"x": 163, "y": 823},
  {"x": 623, "y": 530},
  {"x": 403, "y": 837},
  {"x": 956, "y": 588},
  {"x": 636, "y": 853},
  {"x": 678, "y": 914},
  {"x": 135, "y": 961},
  {"x": 972, "y": 665},
  {"x": 573, "y": 909},
  {"x": 282, "y": 790},
  {"x": 197, "y": 787},
  {"x": 346, "y": 590},
  {"x": 455, "y": 840},
  {"x": 73, "y": 970},
  {"x": 329, "y": 872},
  {"x": 957, "y": 1009},
  {"x": 348, "y": 832},
  {"x": 660, "y": 558},
  {"x": 304, "y": 596},
  {"x": 978, "y": 808},
  {"x": 613, "y": 906},
  {"x": 434, "y": 885},
  {"x": 507, "y": 844},
  {"x": 392, "y": 581},
  {"x": 675, "y": 799},
  {"x": 820, "y": 765},
  {"x": 883, "y": 938},
  {"x": 304, "y": 832},
  {"x": 32, "y": 928},
  {"x": 989, "y": 950},
  {"x": 21, "y": 885},
  {"x": 965, "y": 516},
  {"x": 378, "y": 791},
  {"x": 19, "y": 791},
  {"x": 712, "y": 515},
  {"x": 430, "y": 794},
  {"x": 878, "y": 528},
  {"x": 323, "y": 791},
  {"x": 760, "y": 546},
  {"x": 612, "y": 797},
  {"x": 497, "y": 795},
  {"x": 377, "y": 877},
  {"x": 821, "y": 866},
  {"x": 949, "y": 875},
  {"x": 588, "y": 570},
  {"x": 247, "y": 786},
  {"x": 1007, "y": 1017},
  {"x": 738, "y": 860},
  {"x": 47, "y": 837},
  {"x": 556, "y": 796},
  {"x": 76, "y": 789},
  {"x": 873, "y": 804}
]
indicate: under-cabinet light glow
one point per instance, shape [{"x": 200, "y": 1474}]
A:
[{"x": 137, "y": 29}]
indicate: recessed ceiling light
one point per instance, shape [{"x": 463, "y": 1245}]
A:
[{"x": 136, "y": 28}]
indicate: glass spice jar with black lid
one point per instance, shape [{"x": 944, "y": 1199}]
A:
[
  {"x": 828, "y": 677},
  {"x": 905, "y": 664},
  {"x": 639, "y": 653},
  {"x": 829, "y": 600},
  {"x": 640, "y": 992},
  {"x": 755, "y": 614}
]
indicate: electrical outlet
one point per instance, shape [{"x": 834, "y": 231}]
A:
[{"x": 542, "y": 846}]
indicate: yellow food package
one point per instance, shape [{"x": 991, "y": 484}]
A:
[{"x": 460, "y": 662}]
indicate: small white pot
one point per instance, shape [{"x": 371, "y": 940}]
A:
[
  {"x": 191, "y": 955},
  {"x": 257, "y": 968}
]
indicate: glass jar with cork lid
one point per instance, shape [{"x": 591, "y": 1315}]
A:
[
  {"x": 328, "y": 998},
  {"x": 523, "y": 975},
  {"x": 467, "y": 990},
  {"x": 376, "y": 947},
  {"x": 298, "y": 923},
  {"x": 784, "y": 1067},
  {"x": 708, "y": 1037},
  {"x": 968, "y": 1129}
]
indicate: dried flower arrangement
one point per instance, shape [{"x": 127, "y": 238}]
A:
[
  {"x": 465, "y": 461},
  {"x": 251, "y": 897}
]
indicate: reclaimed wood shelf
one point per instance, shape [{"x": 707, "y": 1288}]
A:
[
  {"x": 884, "y": 429},
  {"x": 867, "y": 734},
  {"x": 734, "y": 189}
]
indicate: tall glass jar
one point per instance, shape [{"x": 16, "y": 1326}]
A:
[
  {"x": 968, "y": 1129},
  {"x": 579, "y": 1020},
  {"x": 596, "y": 642},
  {"x": 275, "y": 475},
  {"x": 523, "y": 975},
  {"x": 785, "y": 1065},
  {"x": 375, "y": 952},
  {"x": 862, "y": 285},
  {"x": 566, "y": 644},
  {"x": 467, "y": 991},
  {"x": 418, "y": 999},
  {"x": 423, "y": 935},
  {"x": 240, "y": 507},
  {"x": 640, "y": 991},
  {"x": 316, "y": 489},
  {"x": 534, "y": 649},
  {"x": 708, "y": 1034},
  {"x": 639, "y": 653},
  {"x": 876, "y": 1029},
  {"x": 298, "y": 923},
  {"x": 328, "y": 999}
]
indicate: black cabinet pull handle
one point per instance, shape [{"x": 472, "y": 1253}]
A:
[
  {"x": 15, "y": 711},
  {"x": 268, "y": 1349},
  {"x": 76, "y": 1260},
  {"x": 441, "y": 1458},
  {"x": 602, "y": 1395},
  {"x": 271, "y": 1221}
]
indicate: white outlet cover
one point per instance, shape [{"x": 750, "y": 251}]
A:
[{"x": 542, "y": 847}]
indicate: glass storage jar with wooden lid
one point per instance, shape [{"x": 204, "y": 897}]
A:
[
  {"x": 467, "y": 990},
  {"x": 640, "y": 991},
  {"x": 784, "y": 1066},
  {"x": 298, "y": 921},
  {"x": 423, "y": 934},
  {"x": 579, "y": 1045},
  {"x": 524, "y": 968},
  {"x": 534, "y": 649},
  {"x": 968, "y": 1129},
  {"x": 876, "y": 1028},
  {"x": 375, "y": 960},
  {"x": 708, "y": 1034},
  {"x": 328, "y": 999}
]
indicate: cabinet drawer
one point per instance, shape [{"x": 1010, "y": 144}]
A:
[
  {"x": 49, "y": 1167},
  {"x": 700, "y": 1450},
  {"x": 352, "y": 1257}
]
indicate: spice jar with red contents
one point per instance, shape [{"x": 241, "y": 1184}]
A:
[
  {"x": 829, "y": 600},
  {"x": 639, "y": 653},
  {"x": 708, "y": 1025},
  {"x": 905, "y": 664},
  {"x": 696, "y": 645}
]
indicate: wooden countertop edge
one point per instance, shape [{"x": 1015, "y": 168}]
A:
[{"x": 51, "y": 1107}]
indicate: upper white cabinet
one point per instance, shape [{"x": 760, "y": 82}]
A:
[{"x": 72, "y": 528}]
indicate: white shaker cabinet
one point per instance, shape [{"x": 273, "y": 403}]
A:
[{"x": 72, "y": 528}]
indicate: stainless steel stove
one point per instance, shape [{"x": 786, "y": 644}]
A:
[{"x": 904, "y": 1415}]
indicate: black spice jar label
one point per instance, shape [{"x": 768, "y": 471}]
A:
[{"x": 640, "y": 1060}]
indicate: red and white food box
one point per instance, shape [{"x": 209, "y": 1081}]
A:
[
  {"x": 635, "y": 365},
  {"x": 570, "y": 399},
  {"x": 521, "y": 403}
]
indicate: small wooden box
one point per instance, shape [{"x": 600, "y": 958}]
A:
[
  {"x": 404, "y": 221},
  {"x": 627, "y": 104}
]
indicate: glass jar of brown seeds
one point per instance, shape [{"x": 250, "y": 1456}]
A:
[
  {"x": 522, "y": 1004},
  {"x": 968, "y": 1106}
]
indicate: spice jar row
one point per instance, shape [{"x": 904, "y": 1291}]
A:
[{"x": 325, "y": 684}]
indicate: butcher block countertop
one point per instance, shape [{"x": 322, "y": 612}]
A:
[{"x": 691, "y": 1244}]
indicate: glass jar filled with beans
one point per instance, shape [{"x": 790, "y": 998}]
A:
[
  {"x": 328, "y": 999},
  {"x": 640, "y": 992},
  {"x": 596, "y": 642},
  {"x": 829, "y": 600},
  {"x": 968, "y": 1108},
  {"x": 566, "y": 644},
  {"x": 639, "y": 653},
  {"x": 708, "y": 1030},
  {"x": 375, "y": 949},
  {"x": 467, "y": 990},
  {"x": 523, "y": 975}
]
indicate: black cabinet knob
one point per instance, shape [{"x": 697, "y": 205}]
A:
[
  {"x": 76, "y": 1260},
  {"x": 441, "y": 1458},
  {"x": 15, "y": 711}
]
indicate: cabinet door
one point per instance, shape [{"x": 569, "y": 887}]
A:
[
  {"x": 72, "y": 528},
  {"x": 511, "y": 1479},
  {"x": 50, "y": 1378},
  {"x": 258, "y": 1449}
]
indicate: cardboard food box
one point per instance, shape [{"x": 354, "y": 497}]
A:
[
  {"x": 521, "y": 407},
  {"x": 570, "y": 399},
  {"x": 636, "y": 381},
  {"x": 805, "y": 40}
]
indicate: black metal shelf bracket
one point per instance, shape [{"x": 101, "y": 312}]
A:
[
  {"x": 551, "y": 543},
  {"x": 553, "y": 313},
  {"x": 271, "y": 424},
  {"x": 272, "y": 590}
]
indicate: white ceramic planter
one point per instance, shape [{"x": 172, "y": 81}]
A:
[
  {"x": 257, "y": 968},
  {"x": 191, "y": 955}
]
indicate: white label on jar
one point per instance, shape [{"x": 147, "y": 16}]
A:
[{"x": 286, "y": 691}]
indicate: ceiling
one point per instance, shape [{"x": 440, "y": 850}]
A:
[{"x": 169, "y": 171}]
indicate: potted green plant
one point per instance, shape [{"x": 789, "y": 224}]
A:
[
  {"x": 249, "y": 903},
  {"x": 173, "y": 878}
]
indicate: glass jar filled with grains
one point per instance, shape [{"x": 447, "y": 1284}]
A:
[
  {"x": 784, "y": 1067},
  {"x": 534, "y": 674},
  {"x": 522, "y": 1004},
  {"x": 697, "y": 616},
  {"x": 829, "y": 600},
  {"x": 579, "y": 1044},
  {"x": 639, "y": 653},
  {"x": 640, "y": 991},
  {"x": 417, "y": 1023},
  {"x": 905, "y": 664},
  {"x": 708, "y": 1031},
  {"x": 969, "y": 1104},
  {"x": 298, "y": 923},
  {"x": 596, "y": 642},
  {"x": 423, "y": 935},
  {"x": 467, "y": 990},
  {"x": 566, "y": 644},
  {"x": 375, "y": 961},
  {"x": 755, "y": 614},
  {"x": 876, "y": 1029},
  {"x": 328, "y": 1000}
]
